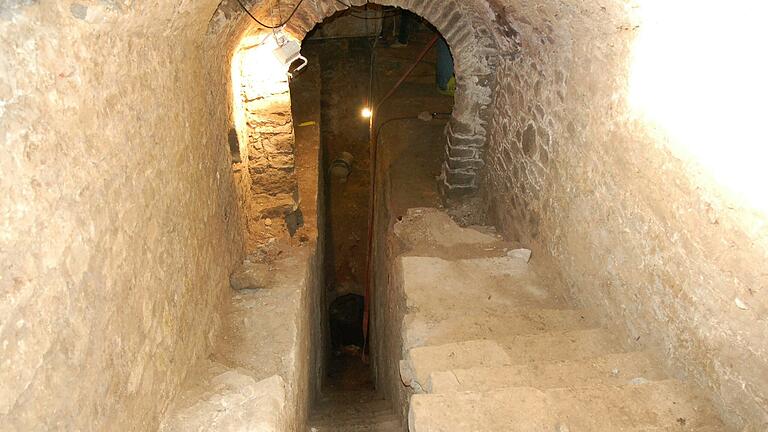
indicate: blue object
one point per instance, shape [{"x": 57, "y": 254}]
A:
[
  {"x": 444, "y": 64},
  {"x": 403, "y": 31}
]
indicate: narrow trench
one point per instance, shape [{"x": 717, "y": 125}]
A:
[
  {"x": 355, "y": 70},
  {"x": 344, "y": 136}
]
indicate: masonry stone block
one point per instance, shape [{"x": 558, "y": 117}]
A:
[
  {"x": 465, "y": 164},
  {"x": 458, "y": 177},
  {"x": 459, "y": 152}
]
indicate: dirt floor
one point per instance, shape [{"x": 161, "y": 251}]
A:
[{"x": 410, "y": 156}]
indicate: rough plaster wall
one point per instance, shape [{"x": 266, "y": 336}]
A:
[
  {"x": 117, "y": 219},
  {"x": 597, "y": 193}
]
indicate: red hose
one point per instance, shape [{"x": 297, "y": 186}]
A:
[{"x": 369, "y": 279}]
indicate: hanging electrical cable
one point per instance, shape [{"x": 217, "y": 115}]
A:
[
  {"x": 373, "y": 155},
  {"x": 282, "y": 23}
]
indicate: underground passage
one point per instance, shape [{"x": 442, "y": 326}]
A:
[{"x": 394, "y": 215}]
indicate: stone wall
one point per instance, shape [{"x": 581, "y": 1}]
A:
[
  {"x": 596, "y": 192},
  {"x": 346, "y": 26},
  {"x": 121, "y": 211},
  {"x": 269, "y": 150},
  {"x": 476, "y": 50},
  {"x": 118, "y": 223}
]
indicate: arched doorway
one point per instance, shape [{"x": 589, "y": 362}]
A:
[{"x": 266, "y": 126}]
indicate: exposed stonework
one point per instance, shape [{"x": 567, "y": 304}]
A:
[
  {"x": 267, "y": 363},
  {"x": 120, "y": 221},
  {"x": 267, "y": 154},
  {"x": 465, "y": 26},
  {"x": 499, "y": 330},
  {"x": 120, "y": 227},
  {"x": 573, "y": 174}
]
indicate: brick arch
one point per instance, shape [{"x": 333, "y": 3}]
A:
[{"x": 475, "y": 54}]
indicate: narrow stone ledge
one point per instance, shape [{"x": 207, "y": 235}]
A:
[{"x": 257, "y": 377}]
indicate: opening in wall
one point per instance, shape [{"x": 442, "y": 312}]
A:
[
  {"x": 267, "y": 184},
  {"x": 234, "y": 146}
]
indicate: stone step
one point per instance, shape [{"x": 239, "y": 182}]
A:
[
  {"x": 342, "y": 417},
  {"x": 392, "y": 425},
  {"x": 422, "y": 329},
  {"x": 354, "y": 411},
  {"x": 421, "y": 362},
  {"x": 495, "y": 284},
  {"x": 718, "y": 427},
  {"x": 568, "y": 345},
  {"x": 661, "y": 405},
  {"x": 330, "y": 418},
  {"x": 610, "y": 369},
  {"x": 353, "y": 405}
]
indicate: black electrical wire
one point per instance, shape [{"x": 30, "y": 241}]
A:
[{"x": 293, "y": 12}]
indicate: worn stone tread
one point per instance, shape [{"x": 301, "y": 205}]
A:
[
  {"x": 374, "y": 416},
  {"x": 567, "y": 345},
  {"x": 662, "y": 404},
  {"x": 490, "y": 345},
  {"x": 354, "y": 411},
  {"x": 384, "y": 426},
  {"x": 610, "y": 369},
  {"x": 362, "y": 421},
  {"x": 423, "y": 361},
  {"x": 438, "y": 328},
  {"x": 340, "y": 417},
  {"x": 351, "y": 407}
]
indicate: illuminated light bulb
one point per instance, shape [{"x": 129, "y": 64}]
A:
[{"x": 366, "y": 112}]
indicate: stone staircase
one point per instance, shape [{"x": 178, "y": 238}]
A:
[
  {"x": 353, "y": 411},
  {"x": 491, "y": 344}
]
